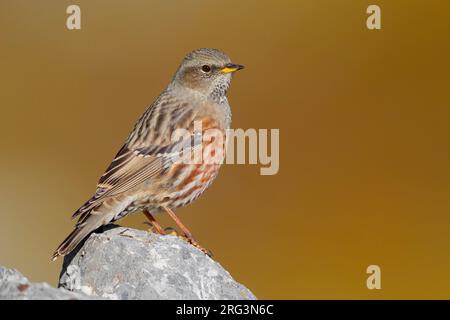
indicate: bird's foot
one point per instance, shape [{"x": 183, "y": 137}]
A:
[
  {"x": 171, "y": 231},
  {"x": 155, "y": 229},
  {"x": 198, "y": 246},
  {"x": 189, "y": 239}
]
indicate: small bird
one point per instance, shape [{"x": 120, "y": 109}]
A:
[{"x": 147, "y": 174}]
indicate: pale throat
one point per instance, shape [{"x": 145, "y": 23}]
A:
[{"x": 219, "y": 91}]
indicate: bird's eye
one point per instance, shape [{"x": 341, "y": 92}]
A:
[{"x": 206, "y": 68}]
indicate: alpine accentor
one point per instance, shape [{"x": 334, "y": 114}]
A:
[{"x": 147, "y": 174}]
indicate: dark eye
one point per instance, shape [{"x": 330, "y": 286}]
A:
[{"x": 206, "y": 68}]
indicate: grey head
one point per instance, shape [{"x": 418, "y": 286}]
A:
[{"x": 206, "y": 71}]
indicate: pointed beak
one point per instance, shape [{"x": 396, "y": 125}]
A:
[{"x": 231, "y": 67}]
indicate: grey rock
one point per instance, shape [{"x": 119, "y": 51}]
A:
[
  {"x": 123, "y": 263},
  {"x": 14, "y": 286}
]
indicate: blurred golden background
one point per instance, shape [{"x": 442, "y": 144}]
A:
[{"x": 364, "y": 135}]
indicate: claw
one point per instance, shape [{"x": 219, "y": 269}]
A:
[
  {"x": 172, "y": 231},
  {"x": 190, "y": 240},
  {"x": 151, "y": 228},
  {"x": 198, "y": 246}
]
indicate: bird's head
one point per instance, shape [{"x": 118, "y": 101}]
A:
[{"x": 207, "y": 71}]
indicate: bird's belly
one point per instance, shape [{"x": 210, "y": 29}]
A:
[
  {"x": 190, "y": 180},
  {"x": 194, "y": 180},
  {"x": 184, "y": 181}
]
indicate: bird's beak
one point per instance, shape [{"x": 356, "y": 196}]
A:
[{"x": 231, "y": 67}]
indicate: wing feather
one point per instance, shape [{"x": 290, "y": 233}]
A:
[
  {"x": 148, "y": 150},
  {"x": 133, "y": 167}
]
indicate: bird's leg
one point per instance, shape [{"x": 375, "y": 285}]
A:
[
  {"x": 153, "y": 223},
  {"x": 186, "y": 232},
  {"x": 183, "y": 228}
]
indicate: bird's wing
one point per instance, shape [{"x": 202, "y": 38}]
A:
[
  {"x": 149, "y": 149},
  {"x": 132, "y": 167},
  {"x": 136, "y": 166}
]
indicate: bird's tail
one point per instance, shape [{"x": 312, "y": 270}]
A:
[
  {"x": 74, "y": 238},
  {"x": 82, "y": 229},
  {"x": 92, "y": 217}
]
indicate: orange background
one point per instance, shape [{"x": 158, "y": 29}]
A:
[{"x": 364, "y": 127}]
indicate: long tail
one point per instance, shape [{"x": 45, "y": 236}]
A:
[
  {"x": 89, "y": 222},
  {"x": 92, "y": 216},
  {"x": 74, "y": 238}
]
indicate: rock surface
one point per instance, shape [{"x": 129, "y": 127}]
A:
[
  {"x": 123, "y": 263},
  {"x": 14, "y": 286}
]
